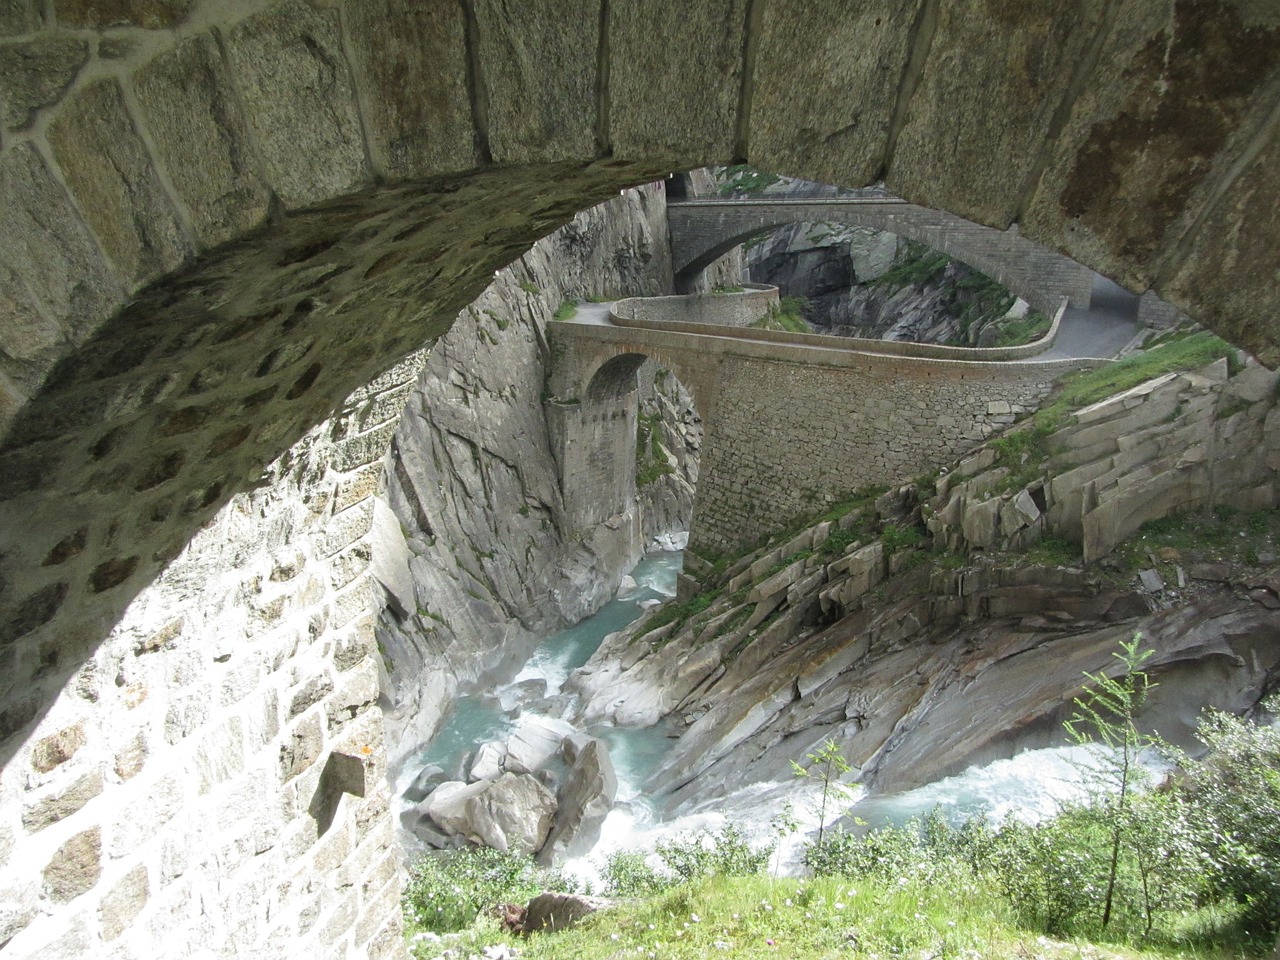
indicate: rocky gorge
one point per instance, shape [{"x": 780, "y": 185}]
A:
[
  {"x": 471, "y": 550},
  {"x": 949, "y": 623},
  {"x": 926, "y": 629}
]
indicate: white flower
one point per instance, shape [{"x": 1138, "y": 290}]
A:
[
  {"x": 839, "y": 906},
  {"x": 695, "y": 918}
]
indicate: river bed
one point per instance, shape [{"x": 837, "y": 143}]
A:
[{"x": 1032, "y": 785}]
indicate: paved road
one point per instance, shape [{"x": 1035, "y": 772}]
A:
[
  {"x": 593, "y": 313},
  {"x": 1103, "y": 330}
]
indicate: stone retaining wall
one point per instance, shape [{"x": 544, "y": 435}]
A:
[{"x": 784, "y": 440}]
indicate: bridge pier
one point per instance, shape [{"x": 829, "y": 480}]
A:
[{"x": 594, "y": 446}]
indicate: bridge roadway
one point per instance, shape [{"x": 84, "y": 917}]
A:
[{"x": 792, "y": 421}]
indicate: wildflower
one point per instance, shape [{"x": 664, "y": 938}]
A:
[
  {"x": 722, "y": 945},
  {"x": 613, "y": 936},
  {"x": 695, "y": 918},
  {"x": 768, "y": 941},
  {"x": 839, "y": 906},
  {"x": 787, "y": 902}
]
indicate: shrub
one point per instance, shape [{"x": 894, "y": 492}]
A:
[
  {"x": 723, "y": 854},
  {"x": 448, "y": 890},
  {"x": 627, "y": 873},
  {"x": 1233, "y": 807}
]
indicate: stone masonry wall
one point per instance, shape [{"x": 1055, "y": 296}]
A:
[
  {"x": 813, "y": 434},
  {"x": 739, "y": 308},
  {"x": 212, "y": 782}
]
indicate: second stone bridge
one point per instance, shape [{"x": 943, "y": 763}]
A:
[
  {"x": 792, "y": 422},
  {"x": 703, "y": 230}
]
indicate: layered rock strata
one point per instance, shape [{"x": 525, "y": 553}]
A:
[{"x": 922, "y": 655}]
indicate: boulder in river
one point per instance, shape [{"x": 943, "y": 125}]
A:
[
  {"x": 428, "y": 778},
  {"x": 585, "y": 798},
  {"x": 488, "y": 761},
  {"x": 535, "y": 741},
  {"x": 513, "y": 813}
]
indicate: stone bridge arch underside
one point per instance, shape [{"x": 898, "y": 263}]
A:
[
  {"x": 703, "y": 231},
  {"x": 221, "y": 232}
]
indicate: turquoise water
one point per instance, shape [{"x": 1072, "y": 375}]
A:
[
  {"x": 1029, "y": 786},
  {"x": 481, "y": 718}
]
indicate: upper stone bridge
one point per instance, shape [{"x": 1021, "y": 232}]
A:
[
  {"x": 704, "y": 230},
  {"x": 791, "y": 421}
]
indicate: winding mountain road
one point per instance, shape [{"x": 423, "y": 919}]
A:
[{"x": 1100, "y": 332}]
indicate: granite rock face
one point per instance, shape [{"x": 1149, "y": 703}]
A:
[
  {"x": 583, "y": 801},
  {"x": 474, "y": 484}
]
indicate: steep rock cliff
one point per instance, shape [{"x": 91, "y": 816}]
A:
[{"x": 470, "y": 549}]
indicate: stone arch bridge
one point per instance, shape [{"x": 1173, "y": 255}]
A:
[
  {"x": 791, "y": 421},
  {"x": 225, "y": 229},
  {"x": 702, "y": 231}
]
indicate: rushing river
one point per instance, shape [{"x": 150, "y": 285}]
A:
[{"x": 1031, "y": 785}]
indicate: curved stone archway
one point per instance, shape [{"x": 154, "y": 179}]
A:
[
  {"x": 222, "y": 224},
  {"x": 615, "y": 377}
]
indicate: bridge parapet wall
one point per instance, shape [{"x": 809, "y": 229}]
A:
[
  {"x": 895, "y": 348},
  {"x": 736, "y": 308}
]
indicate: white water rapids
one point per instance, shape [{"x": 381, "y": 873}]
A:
[{"x": 1030, "y": 786}]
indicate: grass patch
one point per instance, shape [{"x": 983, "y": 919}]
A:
[
  {"x": 1221, "y": 535},
  {"x": 1054, "y": 551},
  {"x": 1023, "y": 330},
  {"x": 744, "y": 179},
  {"x": 566, "y": 310},
  {"x": 1172, "y": 356},
  {"x": 651, "y": 459},
  {"x": 920, "y": 266},
  {"x": 530, "y": 288},
  {"x": 787, "y": 316},
  {"x": 679, "y": 612}
]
